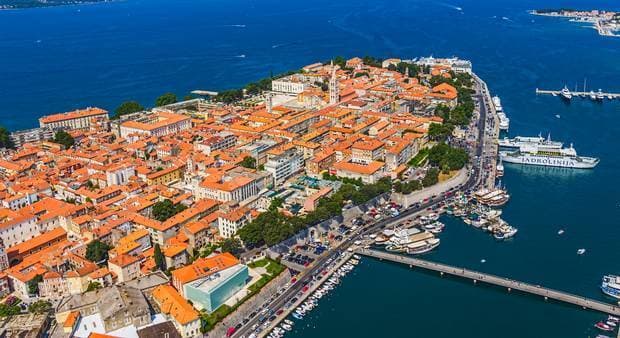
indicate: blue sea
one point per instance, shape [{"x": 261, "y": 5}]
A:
[{"x": 63, "y": 58}]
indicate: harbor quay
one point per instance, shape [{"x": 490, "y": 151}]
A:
[{"x": 509, "y": 284}]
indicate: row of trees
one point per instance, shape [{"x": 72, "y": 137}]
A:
[{"x": 272, "y": 227}]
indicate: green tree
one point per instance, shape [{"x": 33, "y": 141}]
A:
[
  {"x": 166, "y": 99},
  {"x": 165, "y": 209},
  {"x": 40, "y": 307},
  {"x": 232, "y": 245},
  {"x": 248, "y": 162},
  {"x": 9, "y": 310},
  {"x": 97, "y": 251},
  {"x": 93, "y": 285},
  {"x": 33, "y": 285},
  {"x": 128, "y": 107},
  {"x": 64, "y": 138},
  {"x": 160, "y": 260},
  {"x": 5, "y": 139},
  {"x": 431, "y": 177}
]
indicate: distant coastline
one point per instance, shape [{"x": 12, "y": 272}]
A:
[
  {"x": 15, "y": 4},
  {"x": 607, "y": 23}
]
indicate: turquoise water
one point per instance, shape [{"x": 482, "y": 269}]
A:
[{"x": 56, "y": 59}]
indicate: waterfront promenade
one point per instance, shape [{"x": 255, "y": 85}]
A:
[{"x": 509, "y": 284}]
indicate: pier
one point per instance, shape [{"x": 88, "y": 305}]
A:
[
  {"x": 581, "y": 94},
  {"x": 509, "y": 284}
]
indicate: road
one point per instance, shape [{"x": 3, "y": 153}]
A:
[{"x": 306, "y": 276}]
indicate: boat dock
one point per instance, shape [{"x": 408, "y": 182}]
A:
[
  {"x": 509, "y": 284},
  {"x": 582, "y": 94}
]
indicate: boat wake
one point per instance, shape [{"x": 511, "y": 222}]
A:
[
  {"x": 242, "y": 56},
  {"x": 457, "y": 8},
  {"x": 239, "y": 26},
  {"x": 506, "y": 18}
]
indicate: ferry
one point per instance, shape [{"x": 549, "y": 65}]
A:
[
  {"x": 552, "y": 156},
  {"x": 519, "y": 141},
  {"x": 611, "y": 286},
  {"x": 566, "y": 94}
]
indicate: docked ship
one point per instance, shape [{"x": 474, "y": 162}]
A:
[
  {"x": 611, "y": 286},
  {"x": 504, "y": 121},
  {"x": 552, "y": 156},
  {"x": 493, "y": 198},
  {"x": 566, "y": 94},
  {"x": 519, "y": 141}
]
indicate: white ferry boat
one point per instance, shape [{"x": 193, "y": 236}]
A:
[
  {"x": 519, "y": 141},
  {"x": 535, "y": 154},
  {"x": 611, "y": 286}
]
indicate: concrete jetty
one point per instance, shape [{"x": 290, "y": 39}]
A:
[{"x": 509, "y": 284}]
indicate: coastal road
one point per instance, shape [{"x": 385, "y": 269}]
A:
[{"x": 306, "y": 276}]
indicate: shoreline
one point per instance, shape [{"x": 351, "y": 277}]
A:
[{"x": 598, "y": 23}]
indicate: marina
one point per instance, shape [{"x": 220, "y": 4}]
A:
[
  {"x": 509, "y": 284},
  {"x": 567, "y": 94}
]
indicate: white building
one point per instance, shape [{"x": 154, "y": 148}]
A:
[
  {"x": 161, "y": 123},
  {"x": 220, "y": 141},
  {"x": 292, "y": 84},
  {"x": 230, "y": 221},
  {"x": 77, "y": 119},
  {"x": 16, "y": 228},
  {"x": 20, "y": 200},
  {"x": 119, "y": 174},
  {"x": 285, "y": 165}
]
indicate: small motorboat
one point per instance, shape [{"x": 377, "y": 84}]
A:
[
  {"x": 603, "y": 326},
  {"x": 297, "y": 315},
  {"x": 286, "y": 327},
  {"x": 483, "y": 260},
  {"x": 557, "y": 116},
  {"x": 560, "y": 232},
  {"x": 581, "y": 251},
  {"x": 611, "y": 324},
  {"x": 613, "y": 319}
]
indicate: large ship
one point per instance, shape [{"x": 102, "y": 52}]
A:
[
  {"x": 504, "y": 121},
  {"x": 538, "y": 154},
  {"x": 519, "y": 141},
  {"x": 611, "y": 286}
]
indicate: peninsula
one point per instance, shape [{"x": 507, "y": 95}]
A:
[
  {"x": 223, "y": 212},
  {"x": 607, "y": 23}
]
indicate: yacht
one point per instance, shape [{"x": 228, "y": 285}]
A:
[
  {"x": 603, "y": 326},
  {"x": 497, "y": 103},
  {"x": 565, "y": 92},
  {"x": 611, "y": 286},
  {"x": 500, "y": 169},
  {"x": 422, "y": 246}
]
